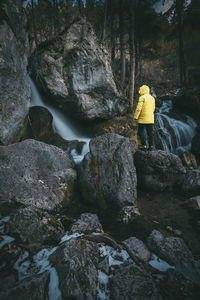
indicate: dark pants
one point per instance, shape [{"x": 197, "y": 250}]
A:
[{"x": 145, "y": 132}]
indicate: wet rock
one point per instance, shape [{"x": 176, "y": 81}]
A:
[
  {"x": 138, "y": 248},
  {"x": 107, "y": 174},
  {"x": 37, "y": 174},
  {"x": 128, "y": 213},
  {"x": 158, "y": 170},
  {"x": 41, "y": 228},
  {"x": 40, "y": 123},
  {"x": 174, "y": 251},
  {"x": 190, "y": 184},
  {"x": 34, "y": 288},
  {"x": 131, "y": 282},
  {"x": 76, "y": 263},
  {"x": 86, "y": 224},
  {"x": 39, "y": 127},
  {"x": 188, "y": 100},
  {"x": 15, "y": 91},
  {"x": 76, "y": 74}
]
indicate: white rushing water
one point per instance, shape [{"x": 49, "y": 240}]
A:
[
  {"x": 61, "y": 124},
  {"x": 175, "y": 135}
]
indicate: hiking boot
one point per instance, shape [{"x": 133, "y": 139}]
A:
[
  {"x": 151, "y": 148},
  {"x": 143, "y": 148}
]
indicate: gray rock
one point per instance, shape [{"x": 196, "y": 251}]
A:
[
  {"x": 76, "y": 74},
  {"x": 37, "y": 174},
  {"x": 86, "y": 224},
  {"x": 190, "y": 185},
  {"x": 131, "y": 282},
  {"x": 107, "y": 174},
  {"x": 15, "y": 91},
  {"x": 34, "y": 288},
  {"x": 128, "y": 213},
  {"x": 138, "y": 248},
  {"x": 158, "y": 170},
  {"x": 76, "y": 263},
  {"x": 175, "y": 252},
  {"x": 35, "y": 228}
]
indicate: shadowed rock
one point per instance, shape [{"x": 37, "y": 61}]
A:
[
  {"x": 107, "y": 173},
  {"x": 158, "y": 170},
  {"x": 15, "y": 91}
]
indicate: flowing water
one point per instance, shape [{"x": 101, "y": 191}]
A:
[
  {"x": 61, "y": 124},
  {"x": 175, "y": 134}
]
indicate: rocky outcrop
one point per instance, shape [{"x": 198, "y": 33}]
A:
[
  {"x": 158, "y": 170},
  {"x": 43, "y": 229},
  {"x": 37, "y": 174},
  {"x": 174, "y": 250},
  {"x": 76, "y": 263},
  {"x": 14, "y": 87},
  {"x": 76, "y": 74},
  {"x": 107, "y": 174}
]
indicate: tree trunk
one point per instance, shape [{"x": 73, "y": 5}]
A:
[
  {"x": 34, "y": 27},
  {"x": 80, "y": 7},
  {"x": 132, "y": 51},
  {"x": 182, "y": 65},
  {"x": 122, "y": 44},
  {"x": 104, "y": 20},
  {"x": 112, "y": 33}
]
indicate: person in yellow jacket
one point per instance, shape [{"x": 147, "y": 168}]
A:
[{"x": 144, "y": 114}]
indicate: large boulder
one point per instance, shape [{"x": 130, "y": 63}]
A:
[
  {"x": 15, "y": 91},
  {"x": 158, "y": 170},
  {"x": 76, "y": 74},
  {"x": 41, "y": 228},
  {"x": 86, "y": 224},
  {"x": 34, "y": 173},
  {"x": 76, "y": 263},
  {"x": 107, "y": 174},
  {"x": 132, "y": 282}
]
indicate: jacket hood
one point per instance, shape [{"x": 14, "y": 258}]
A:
[{"x": 144, "y": 89}]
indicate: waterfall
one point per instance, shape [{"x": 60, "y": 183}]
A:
[
  {"x": 61, "y": 124},
  {"x": 175, "y": 135}
]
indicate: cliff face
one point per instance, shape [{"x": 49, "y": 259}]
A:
[
  {"x": 14, "y": 87},
  {"x": 74, "y": 71}
]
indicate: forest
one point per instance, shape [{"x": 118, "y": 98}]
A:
[{"x": 145, "y": 45}]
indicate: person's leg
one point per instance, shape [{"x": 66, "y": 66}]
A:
[
  {"x": 142, "y": 134},
  {"x": 149, "y": 129}
]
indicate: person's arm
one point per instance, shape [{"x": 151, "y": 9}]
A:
[{"x": 138, "y": 108}]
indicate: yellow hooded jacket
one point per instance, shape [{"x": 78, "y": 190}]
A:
[{"x": 146, "y": 106}]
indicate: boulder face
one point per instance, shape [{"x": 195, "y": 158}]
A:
[
  {"x": 76, "y": 74},
  {"x": 190, "y": 185},
  {"x": 107, "y": 174},
  {"x": 37, "y": 174},
  {"x": 158, "y": 170},
  {"x": 43, "y": 229},
  {"x": 15, "y": 91}
]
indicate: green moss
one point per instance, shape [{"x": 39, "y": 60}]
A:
[
  {"x": 70, "y": 193},
  {"x": 54, "y": 222}
]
